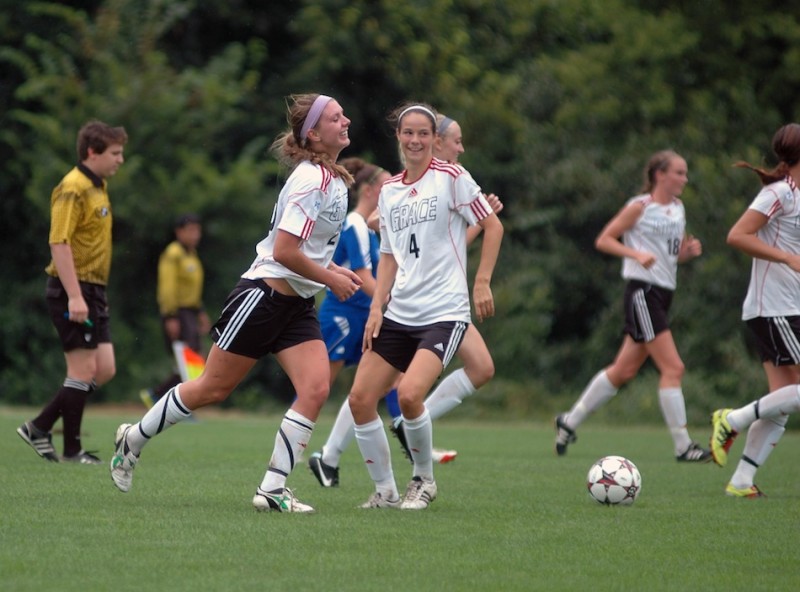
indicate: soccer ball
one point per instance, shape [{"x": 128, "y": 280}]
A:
[{"x": 614, "y": 480}]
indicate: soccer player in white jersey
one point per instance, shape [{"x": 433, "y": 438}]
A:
[
  {"x": 424, "y": 215},
  {"x": 649, "y": 234},
  {"x": 271, "y": 309},
  {"x": 478, "y": 368},
  {"x": 769, "y": 232}
]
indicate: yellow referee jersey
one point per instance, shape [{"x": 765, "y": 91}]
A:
[
  {"x": 180, "y": 280},
  {"x": 80, "y": 216}
]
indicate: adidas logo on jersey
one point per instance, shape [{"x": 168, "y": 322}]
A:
[
  {"x": 413, "y": 191},
  {"x": 439, "y": 346}
]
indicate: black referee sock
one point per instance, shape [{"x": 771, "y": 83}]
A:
[
  {"x": 74, "y": 394},
  {"x": 48, "y": 417}
]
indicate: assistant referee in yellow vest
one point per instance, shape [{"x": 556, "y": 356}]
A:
[{"x": 180, "y": 296}]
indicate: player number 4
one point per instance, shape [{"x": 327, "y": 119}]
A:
[{"x": 413, "y": 247}]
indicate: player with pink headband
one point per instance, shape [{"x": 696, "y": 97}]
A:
[
  {"x": 424, "y": 215},
  {"x": 272, "y": 310}
]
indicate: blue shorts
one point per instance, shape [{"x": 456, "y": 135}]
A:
[{"x": 342, "y": 330}]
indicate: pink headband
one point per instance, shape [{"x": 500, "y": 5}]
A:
[{"x": 313, "y": 116}]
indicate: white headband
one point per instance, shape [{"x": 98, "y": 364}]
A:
[
  {"x": 416, "y": 108},
  {"x": 313, "y": 116}
]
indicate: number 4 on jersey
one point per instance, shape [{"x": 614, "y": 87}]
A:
[{"x": 412, "y": 246}]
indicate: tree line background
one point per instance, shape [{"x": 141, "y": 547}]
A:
[{"x": 561, "y": 103}]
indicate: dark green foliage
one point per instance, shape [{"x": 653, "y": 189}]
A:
[{"x": 561, "y": 104}]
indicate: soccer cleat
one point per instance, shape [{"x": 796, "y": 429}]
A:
[
  {"x": 146, "y": 395},
  {"x": 327, "y": 475},
  {"x": 694, "y": 454},
  {"x": 42, "y": 445},
  {"x": 444, "y": 456},
  {"x": 419, "y": 494},
  {"x": 564, "y": 435},
  {"x": 123, "y": 461},
  {"x": 279, "y": 500},
  {"x": 399, "y": 432},
  {"x": 751, "y": 492},
  {"x": 83, "y": 457},
  {"x": 376, "y": 500},
  {"x": 722, "y": 436}
]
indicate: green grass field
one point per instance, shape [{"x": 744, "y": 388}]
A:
[{"x": 510, "y": 516}]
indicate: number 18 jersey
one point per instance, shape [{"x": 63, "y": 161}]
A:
[
  {"x": 659, "y": 230},
  {"x": 424, "y": 225}
]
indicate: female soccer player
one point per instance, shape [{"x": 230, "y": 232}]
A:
[
  {"x": 424, "y": 214},
  {"x": 649, "y": 234},
  {"x": 271, "y": 309},
  {"x": 768, "y": 232},
  {"x": 454, "y": 388}
]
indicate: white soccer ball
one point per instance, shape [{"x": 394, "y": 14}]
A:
[{"x": 614, "y": 480}]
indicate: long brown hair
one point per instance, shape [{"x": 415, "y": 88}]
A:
[
  {"x": 660, "y": 161},
  {"x": 786, "y": 146},
  {"x": 288, "y": 147}
]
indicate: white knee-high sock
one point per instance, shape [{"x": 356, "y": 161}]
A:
[
  {"x": 451, "y": 391},
  {"x": 165, "y": 413},
  {"x": 374, "y": 447},
  {"x": 419, "y": 434},
  {"x": 342, "y": 434},
  {"x": 290, "y": 442},
  {"x": 596, "y": 394},
  {"x": 784, "y": 401},
  {"x": 762, "y": 437},
  {"x": 673, "y": 408}
]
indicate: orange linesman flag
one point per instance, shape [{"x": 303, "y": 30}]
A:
[{"x": 190, "y": 363}]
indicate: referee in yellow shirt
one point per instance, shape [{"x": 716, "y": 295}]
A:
[
  {"x": 180, "y": 296},
  {"x": 80, "y": 245}
]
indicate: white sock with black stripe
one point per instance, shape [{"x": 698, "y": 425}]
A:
[
  {"x": 165, "y": 413},
  {"x": 762, "y": 437},
  {"x": 290, "y": 442},
  {"x": 784, "y": 401}
]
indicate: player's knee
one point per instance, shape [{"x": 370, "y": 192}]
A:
[
  {"x": 674, "y": 372},
  {"x": 315, "y": 394},
  {"x": 360, "y": 407},
  {"x": 104, "y": 375},
  {"x": 480, "y": 374}
]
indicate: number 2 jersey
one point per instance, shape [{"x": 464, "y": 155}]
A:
[
  {"x": 659, "y": 230},
  {"x": 424, "y": 225},
  {"x": 312, "y": 205}
]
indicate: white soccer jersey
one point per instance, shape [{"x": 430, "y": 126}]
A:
[
  {"x": 312, "y": 205},
  {"x": 774, "y": 289},
  {"x": 424, "y": 225},
  {"x": 659, "y": 230}
]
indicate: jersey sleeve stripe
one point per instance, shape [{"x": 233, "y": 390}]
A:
[
  {"x": 308, "y": 228},
  {"x": 479, "y": 210}
]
